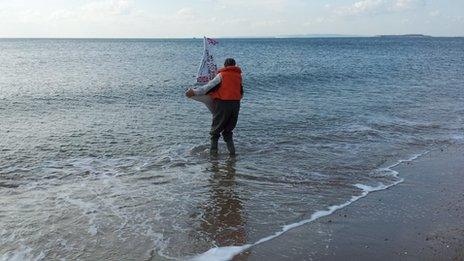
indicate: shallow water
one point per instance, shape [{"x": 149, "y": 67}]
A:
[{"x": 102, "y": 157}]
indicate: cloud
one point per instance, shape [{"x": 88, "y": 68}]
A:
[
  {"x": 434, "y": 13},
  {"x": 186, "y": 14},
  {"x": 374, "y": 7},
  {"x": 90, "y": 19},
  {"x": 259, "y": 5},
  {"x": 100, "y": 10},
  {"x": 402, "y": 5},
  {"x": 96, "y": 11}
]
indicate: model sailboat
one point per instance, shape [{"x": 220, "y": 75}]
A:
[{"x": 206, "y": 72}]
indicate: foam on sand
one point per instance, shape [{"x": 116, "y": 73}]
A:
[{"x": 228, "y": 252}]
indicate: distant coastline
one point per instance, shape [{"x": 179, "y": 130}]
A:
[
  {"x": 404, "y": 36},
  {"x": 320, "y": 36}
]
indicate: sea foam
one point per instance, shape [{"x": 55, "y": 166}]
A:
[{"x": 228, "y": 252}]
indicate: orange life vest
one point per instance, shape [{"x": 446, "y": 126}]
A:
[{"x": 231, "y": 84}]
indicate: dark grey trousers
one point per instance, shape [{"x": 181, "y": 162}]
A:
[{"x": 225, "y": 118}]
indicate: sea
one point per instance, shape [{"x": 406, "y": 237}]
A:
[{"x": 102, "y": 157}]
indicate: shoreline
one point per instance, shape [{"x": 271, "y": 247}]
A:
[
  {"x": 390, "y": 224},
  {"x": 234, "y": 252}
]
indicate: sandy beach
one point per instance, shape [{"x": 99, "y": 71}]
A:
[{"x": 419, "y": 219}]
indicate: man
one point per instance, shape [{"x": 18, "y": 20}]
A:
[{"x": 226, "y": 90}]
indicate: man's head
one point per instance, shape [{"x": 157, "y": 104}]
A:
[{"x": 229, "y": 62}]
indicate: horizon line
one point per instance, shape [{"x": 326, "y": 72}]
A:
[{"x": 228, "y": 37}]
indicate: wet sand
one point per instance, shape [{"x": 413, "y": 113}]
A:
[{"x": 419, "y": 219}]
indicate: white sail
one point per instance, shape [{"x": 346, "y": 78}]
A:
[
  {"x": 206, "y": 72},
  {"x": 208, "y": 68}
]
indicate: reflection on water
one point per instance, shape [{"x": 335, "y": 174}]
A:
[{"x": 224, "y": 221}]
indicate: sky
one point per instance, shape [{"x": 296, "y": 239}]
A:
[{"x": 228, "y": 18}]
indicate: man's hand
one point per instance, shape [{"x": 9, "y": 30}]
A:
[{"x": 189, "y": 93}]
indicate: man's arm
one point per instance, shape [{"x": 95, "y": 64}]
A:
[{"x": 210, "y": 85}]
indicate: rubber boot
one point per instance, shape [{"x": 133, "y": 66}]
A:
[
  {"x": 214, "y": 146},
  {"x": 230, "y": 147}
]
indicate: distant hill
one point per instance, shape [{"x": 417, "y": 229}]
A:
[
  {"x": 318, "y": 36},
  {"x": 404, "y": 36}
]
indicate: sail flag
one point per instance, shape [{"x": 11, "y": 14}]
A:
[{"x": 208, "y": 68}]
